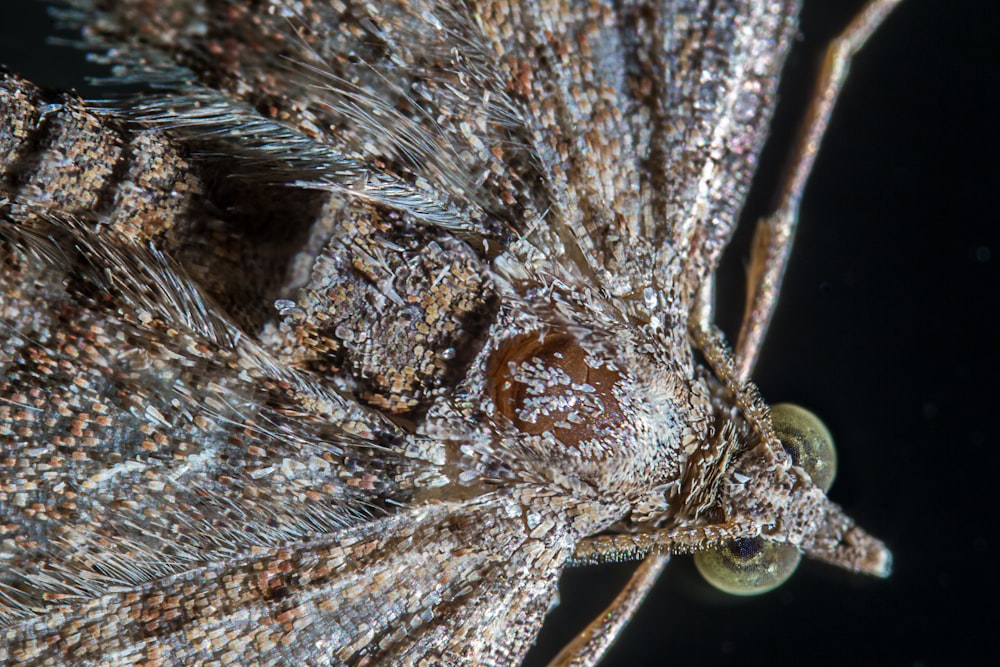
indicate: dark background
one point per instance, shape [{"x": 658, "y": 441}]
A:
[{"x": 886, "y": 329}]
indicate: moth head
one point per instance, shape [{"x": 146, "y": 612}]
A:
[{"x": 783, "y": 491}]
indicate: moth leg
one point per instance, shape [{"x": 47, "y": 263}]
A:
[
  {"x": 587, "y": 649},
  {"x": 702, "y": 315},
  {"x": 774, "y": 234},
  {"x": 617, "y": 548}
]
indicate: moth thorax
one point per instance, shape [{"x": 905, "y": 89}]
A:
[{"x": 549, "y": 383}]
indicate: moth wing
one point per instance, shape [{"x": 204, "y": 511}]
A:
[
  {"x": 144, "y": 434},
  {"x": 455, "y": 583},
  {"x": 646, "y": 120},
  {"x": 164, "y": 450},
  {"x": 618, "y": 139},
  {"x": 397, "y": 102}
]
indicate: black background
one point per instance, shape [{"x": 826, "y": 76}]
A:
[{"x": 886, "y": 329}]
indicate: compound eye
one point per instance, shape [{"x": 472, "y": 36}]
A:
[
  {"x": 807, "y": 441},
  {"x": 748, "y": 566}
]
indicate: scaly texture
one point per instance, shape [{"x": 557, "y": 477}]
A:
[{"x": 339, "y": 351}]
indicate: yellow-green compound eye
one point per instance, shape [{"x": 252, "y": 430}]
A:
[
  {"x": 807, "y": 441},
  {"x": 748, "y": 566}
]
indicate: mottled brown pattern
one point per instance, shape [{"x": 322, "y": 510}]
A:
[
  {"x": 257, "y": 403},
  {"x": 391, "y": 303}
]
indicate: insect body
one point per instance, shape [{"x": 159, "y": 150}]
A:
[{"x": 342, "y": 350}]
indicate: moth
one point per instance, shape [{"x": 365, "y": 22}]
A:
[{"x": 368, "y": 319}]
